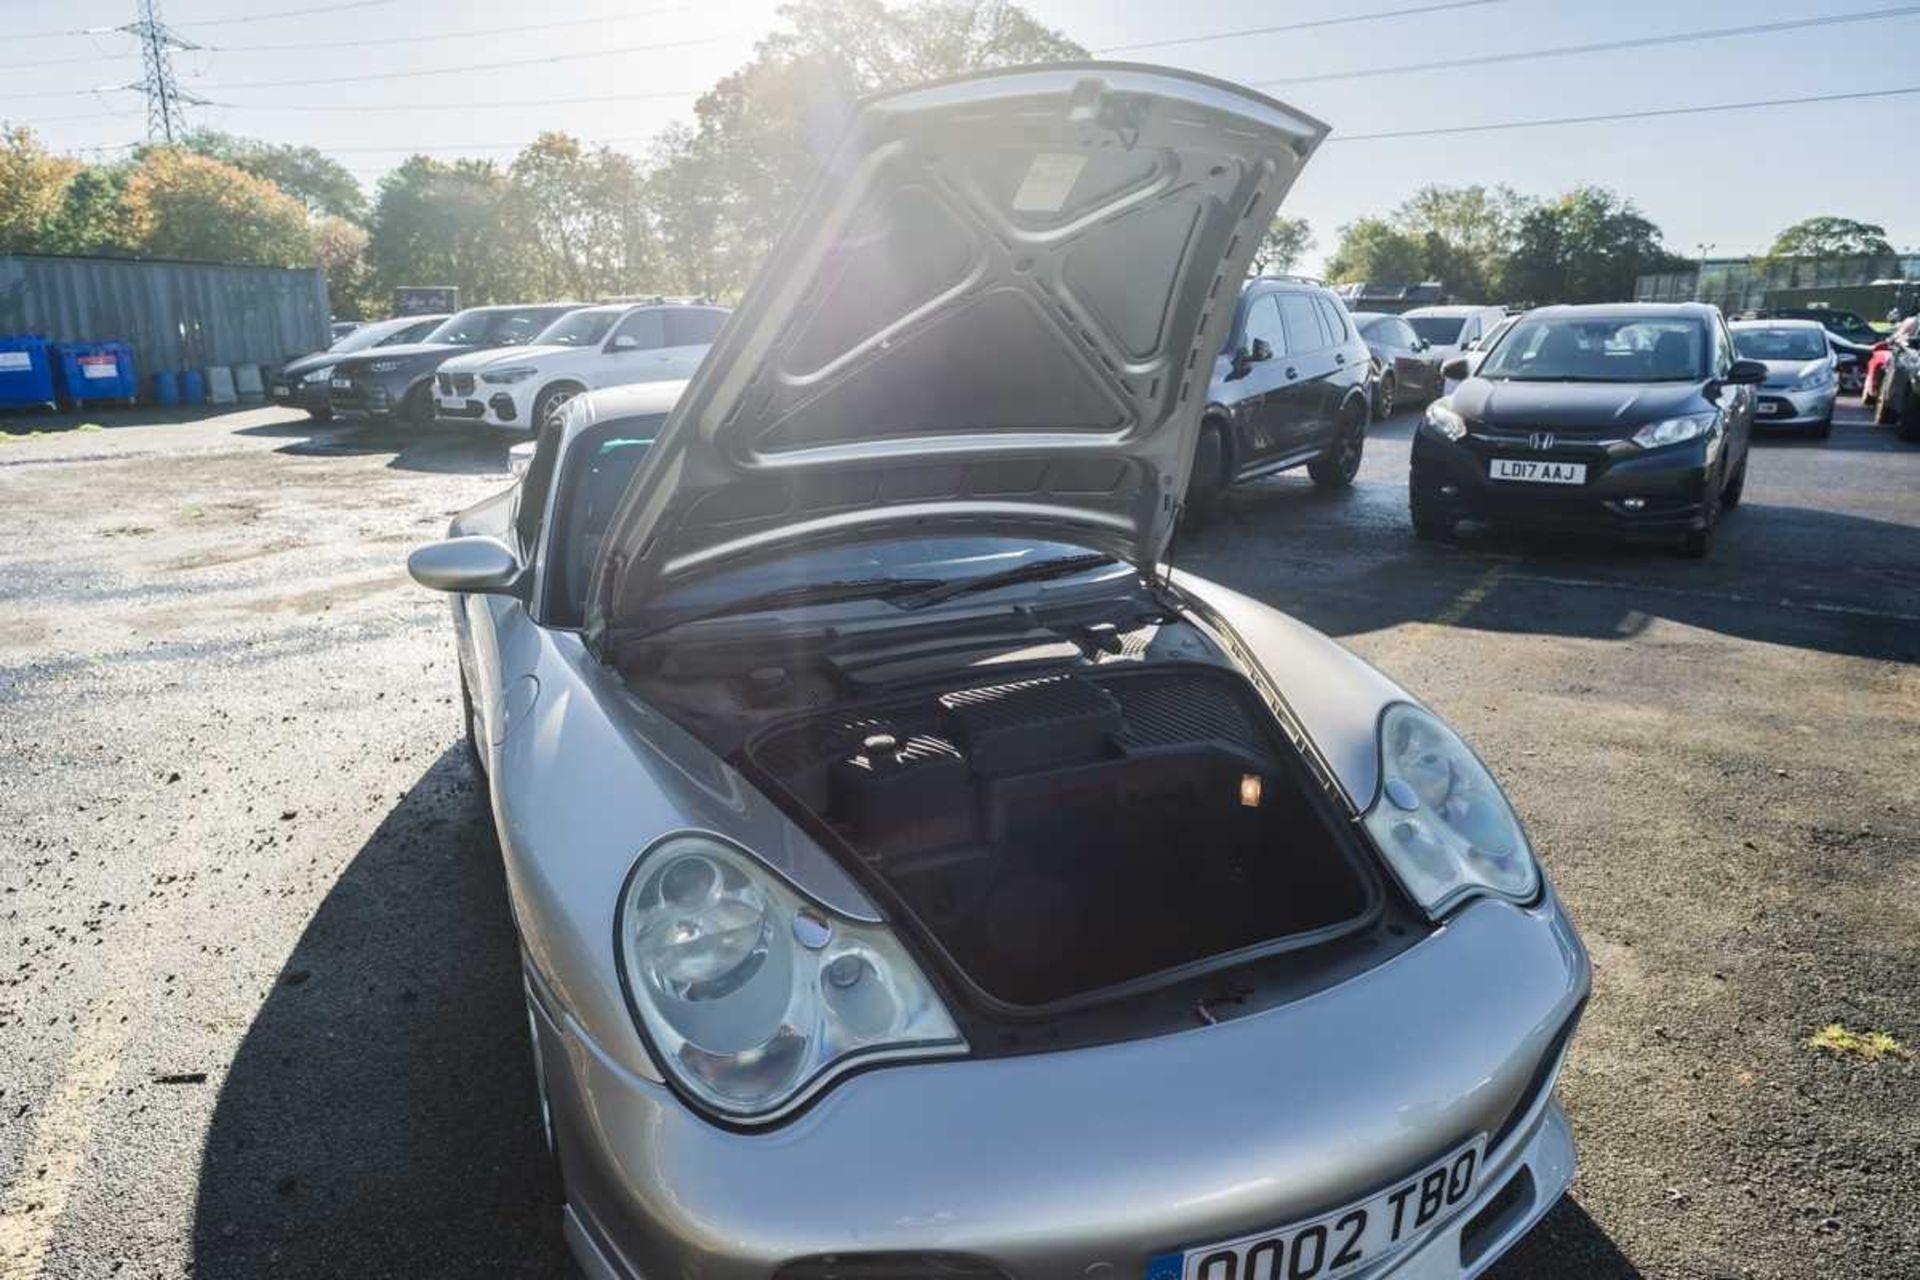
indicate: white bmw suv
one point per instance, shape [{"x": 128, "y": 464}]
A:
[{"x": 518, "y": 388}]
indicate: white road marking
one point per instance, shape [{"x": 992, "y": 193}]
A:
[{"x": 1723, "y": 597}]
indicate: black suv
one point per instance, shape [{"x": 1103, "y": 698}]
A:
[{"x": 1291, "y": 388}]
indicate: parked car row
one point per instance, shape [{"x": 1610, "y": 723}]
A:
[{"x": 508, "y": 367}]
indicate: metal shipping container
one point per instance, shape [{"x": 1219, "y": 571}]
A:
[{"x": 176, "y": 315}]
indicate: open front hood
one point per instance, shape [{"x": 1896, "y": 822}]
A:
[{"x": 997, "y": 309}]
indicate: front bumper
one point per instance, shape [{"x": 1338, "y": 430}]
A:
[
  {"x": 1669, "y": 485},
  {"x": 466, "y": 398},
  {"x": 1776, "y": 408},
  {"x": 299, "y": 394},
  {"x": 363, "y": 396},
  {"x": 1052, "y": 1164}
]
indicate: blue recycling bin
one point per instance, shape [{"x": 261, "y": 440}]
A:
[
  {"x": 85, "y": 372},
  {"x": 26, "y": 371},
  {"x": 193, "y": 387},
  {"x": 166, "y": 389}
]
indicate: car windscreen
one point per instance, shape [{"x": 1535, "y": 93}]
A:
[
  {"x": 520, "y": 326},
  {"x": 1588, "y": 348},
  {"x": 1439, "y": 330},
  {"x": 579, "y": 329},
  {"x": 466, "y": 328},
  {"x": 1779, "y": 344},
  {"x": 368, "y": 335}
]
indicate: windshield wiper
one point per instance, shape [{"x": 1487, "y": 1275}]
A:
[
  {"x": 804, "y": 593},
  {"x": 1037, "y": 571}
]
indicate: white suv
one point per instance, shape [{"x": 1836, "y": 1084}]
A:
[
  {"x": 1451, "y": 330},
  {"x": 518, "y": 388}
]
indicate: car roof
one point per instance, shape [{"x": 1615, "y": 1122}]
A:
[
  {"x": 1637, "y": 310},
  {"x": 1779, "y": 322},
  {"x": 1454, "y": 309},
  {"x": 1367, "y": 317},
  {"x": 636, "y": 400}
]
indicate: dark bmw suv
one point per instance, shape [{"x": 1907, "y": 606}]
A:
[
  {"x": 396, "y": 382},
  {"x": 1632, "y": 419},
  {"x": 1291, "y": 388}
]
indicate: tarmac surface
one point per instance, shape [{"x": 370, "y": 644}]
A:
[{"x": 259, "y": 1001}]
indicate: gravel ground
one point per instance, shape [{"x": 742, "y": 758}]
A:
[{"x": 258, "y": 994}]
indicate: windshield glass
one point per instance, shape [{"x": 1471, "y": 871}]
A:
[
  {"x": 1589, "y": 348},
  {"x": 466, "y": 328},
  {"x": 1779, "y": 344},
  {"x": 369, "y": 335},
  {"x": 581, "y": 329},
  {"x": 1440, "y": 330},
  {"x": 945, "y": 559}
]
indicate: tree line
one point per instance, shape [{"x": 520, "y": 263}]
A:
[{"x": 697, "y": 211}]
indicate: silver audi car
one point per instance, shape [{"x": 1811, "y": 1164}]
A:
[{"x": 916, "y": 874}]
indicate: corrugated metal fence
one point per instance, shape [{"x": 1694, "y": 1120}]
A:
[{"x": 177, "y": 315}]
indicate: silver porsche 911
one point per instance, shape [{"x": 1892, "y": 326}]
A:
[{"x": 916, "y": 876}]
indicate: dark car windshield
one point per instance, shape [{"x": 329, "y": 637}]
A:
[
  {"x": 487, "y": 327},
  {"x": 1845, "y": 323},
  {"x": 581, "y": 329},
  {"x": 1589, "y": 348},
  {"x": 369, "y": 335},
  {"x": 1779, "y": 344},
  {"x": 1440, "y": 330}
]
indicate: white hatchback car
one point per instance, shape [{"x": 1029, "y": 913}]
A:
[
  {"x": 1451, "y": 330},
  {"x": 518, "y": 388}
]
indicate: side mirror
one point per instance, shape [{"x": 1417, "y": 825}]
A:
[
  {"x": 520, "y": 457},
  {"x": 481, "y": 566},
  {"x": 1460, "y": 368},
  {"x": 625, "y": 342},
  {"x": 1745, "y": 373},
  {"x": 1259, "y": 351}
]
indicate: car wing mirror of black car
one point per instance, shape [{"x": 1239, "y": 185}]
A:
[
  {"x": 1745, "y": 373},
  {"x": 1460, "y": 368}
]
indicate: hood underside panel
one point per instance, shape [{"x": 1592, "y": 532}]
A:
[{"x": 998, "y": 308}]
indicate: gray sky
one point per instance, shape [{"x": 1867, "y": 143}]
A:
[{"x": 1730, "y": 179}]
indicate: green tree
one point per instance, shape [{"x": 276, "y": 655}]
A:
[
  {"x": 1830, "y": 237},
  {"x": 340, "y": 248},
  {"x": 89, "y": 219},
  {"x": 437, "y": 222},
  {"x": 180, "y": 205},
  {"x": 33, "y": 185},
  {"x": 322, "y": 184},
  {"x": 1465, "y": 234},
  {"x": 581, "y": 217},
  {"x": 1286, "y": 242},
  {"x": 1374, "y": 250},
  {"x": 1587, "y": 246},
  {"x": 755, "y": 141}
]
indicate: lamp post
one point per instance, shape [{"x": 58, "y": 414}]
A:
[{"x": 1701, "y": 250}]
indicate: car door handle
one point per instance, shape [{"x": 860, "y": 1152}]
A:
[
  {"x": 1292, "y": 374},
  {"x": 1339, "y": 357}
]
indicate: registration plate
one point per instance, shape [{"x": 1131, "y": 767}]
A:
[
  {"x": 1538, "y": 472},
  {"x": 341, "y": 384},
  {"x": 1341, "y": 1242}
]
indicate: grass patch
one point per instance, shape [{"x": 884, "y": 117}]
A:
[
  {"x": 9, "y": 436},
  {"x": 1870, "y": 1046}
]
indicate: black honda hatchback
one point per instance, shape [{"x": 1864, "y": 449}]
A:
[{"x": 1629, "y": 419}]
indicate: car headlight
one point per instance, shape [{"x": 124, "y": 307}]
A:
[
  {"x": 503, "y": 377},
  {"x": 1816, "y": 380},
  {"x": 1442, "y": 418},
  {"x": 383, "y": 366},
  {"x": 755, "y": 997},
  {"x": 319, "y": 375},
  {"x": 1675, "y": 430},
  {"x": 1441, "y": 820}
]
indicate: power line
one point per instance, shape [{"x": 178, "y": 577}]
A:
[
  {"x": 438, "y": 36},
  {"x": 286, "y": 13},
  {"x": 486, "y": 66},
  {"x": 1343, "y": 20},
  {"x": 492, "y": 104},
  {"x": 1605, "y": 46},
  {"x": 1626, "y": 115}
]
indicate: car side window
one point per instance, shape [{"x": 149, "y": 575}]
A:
[
  {"x": 643, "y": 326},
  {"x": 1723, "y": 350},
  {"x": 600, "y": 465},
  {"x": 1263, "y": 322},
  {"x": 1304, "y": 334},
  {"x": 1404, "y": 336},
  {"x": 694, "y": 326},
  {"x": 1333, "y": 316},
  {"x": 531, "y": 504}
]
